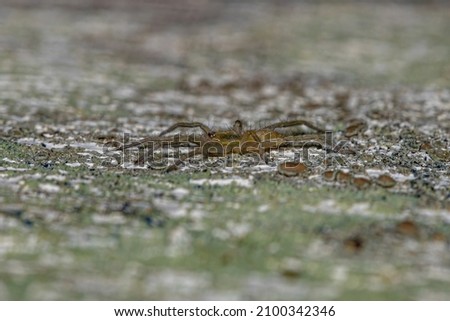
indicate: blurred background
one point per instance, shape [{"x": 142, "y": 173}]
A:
[{"x": 369, "y": 42}]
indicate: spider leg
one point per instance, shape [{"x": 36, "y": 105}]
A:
[
  {"x": 145, "y": 141},
  {"x": 173, "y": 141},
  {"x": 203, "y": 127},
  {"x": 193, "y": 153},
  {"x": 293, "y": 123},
  {"x": 261, "y": 149},
  {"x": 305, "y": 138},
  {"x": 307, "y": 141},
  {"x": 146, "y": 155}
]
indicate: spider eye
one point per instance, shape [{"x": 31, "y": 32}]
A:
[{"x": 211, "y": 134}]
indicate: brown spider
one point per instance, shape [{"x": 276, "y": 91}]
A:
[{"x": 232, "y": 141}]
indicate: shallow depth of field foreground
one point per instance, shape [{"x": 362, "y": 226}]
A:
[{"x": 367, "y": 219}]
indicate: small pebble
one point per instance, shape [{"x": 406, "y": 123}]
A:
[
  {"x": 426, "y": 146},
  {"x": 329, "y": 175},
  {"x": 292, "y": 169},
  {"x": 438, "y": 237},
  {"x": 291, "y": 267},
  {"x": 343, "y": 177},
  {"x": 407, "y": 227},
  {"x": 354, "y": 244},
  {"x": 386, "y": 181},
  {"x": 361, "y": 182}
]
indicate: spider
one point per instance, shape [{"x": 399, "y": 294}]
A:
[{"x": 235, "y": 140}]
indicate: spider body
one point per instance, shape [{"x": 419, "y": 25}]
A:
[{"x": 232, "y": 141}]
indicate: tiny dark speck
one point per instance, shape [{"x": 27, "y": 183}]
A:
[
  {"x": 28, "y": 223},
  {"x": 148, "y": 220},
  {"x": 151, "y": 222}
]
